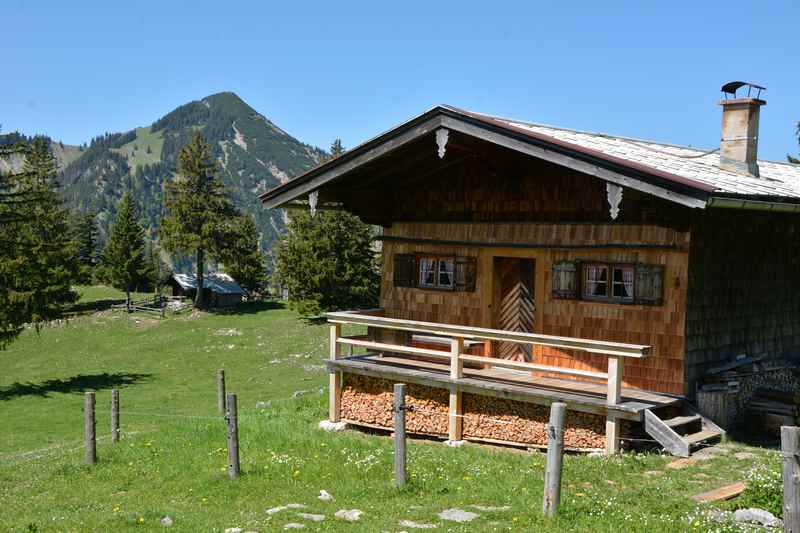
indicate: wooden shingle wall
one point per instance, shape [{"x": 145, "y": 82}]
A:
[
  {"x": 744, "y": 288},
  {"x": 660, "y": 326}
]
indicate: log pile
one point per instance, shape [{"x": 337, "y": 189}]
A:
[
  {"x": 773, "y": 409},
  {"x": 370, "y": 401}
]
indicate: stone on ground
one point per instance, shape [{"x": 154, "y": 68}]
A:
[
  {"x": 294, "y": 525},
  {"x": 417, "y": 525},
  {"x": 351, "y": 515},
  {"x": 325, "y": 496},
  {"x": 233, "y": 530},
  {"x": 284, "y": 507},
  {"x": 491, "y": 508},
  {"x": 745, "y": 455},
  {"x": 327, "y": 425},
  {"x": 757, "y": 516},
  {"x": 232, "y": 332},
  {"x": 455, "y": 443},
  {"x": 457, "y": 515},
  {"x": 312, "y": 517},
  {"x": 167, "y": 521},
  {"x": 652, "y": 473}
]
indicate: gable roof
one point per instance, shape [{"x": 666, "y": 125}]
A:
[
  {"x": 218, "y": 282},
  {"x": 684, "y": 175}
]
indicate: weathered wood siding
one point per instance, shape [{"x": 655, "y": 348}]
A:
[
  {"x": 660, "y": 326},
  {"x": 744, "y": 288}
]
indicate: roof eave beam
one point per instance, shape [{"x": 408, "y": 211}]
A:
[{"x": 752, "y": 205}]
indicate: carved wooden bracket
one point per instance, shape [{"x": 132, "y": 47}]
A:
[
  {"x": 442, "y": 134},
  {"x": 313, "y": 197},
  {"x": 614, "y": 195}
]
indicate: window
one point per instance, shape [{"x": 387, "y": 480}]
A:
[
  {"x": 610, "y": 282},
  {"x": 435, "y": 272}
]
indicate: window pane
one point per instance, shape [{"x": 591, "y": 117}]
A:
[
  {"x": 596, "y": 280},
  {"x": 446, "y": 272},
  {"x": 623, "y": 283},
  {"x": 427, "y": 272}
]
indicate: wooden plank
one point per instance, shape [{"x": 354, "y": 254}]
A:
[
  {"x": 335, "y": 378},
  {"x": 521, "y": 365},
  {"x": 722, "y": 493},
  {"x": 454, "y": 412},
  {"x": 613, "y": 395},
  {"x": 665, "y": 435},
  {"x": 576, "y": 402},
  {"x": 790, "y": 448},
  {"x": 381, "y": 346},
  {"x": 588, "y": 345}
]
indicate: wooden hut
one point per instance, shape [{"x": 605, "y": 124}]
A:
[
  {"x": 220, "y": 289},
  {"x": 525, "y": 264}
]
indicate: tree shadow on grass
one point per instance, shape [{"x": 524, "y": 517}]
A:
[
  {"x": 88, "y": 308},
  {"x": 248, "y": 308},
  {"x": 74, "y": 384}
]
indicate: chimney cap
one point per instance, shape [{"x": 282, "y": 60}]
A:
[{"x": 731, "y": 87}]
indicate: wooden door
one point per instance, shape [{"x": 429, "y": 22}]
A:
[{"x": 515, "y": 308}]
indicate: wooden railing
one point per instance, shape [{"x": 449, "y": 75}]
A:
[{"x": 615, "y": 352}]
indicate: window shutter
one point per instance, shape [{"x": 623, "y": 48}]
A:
[
  {"x": 649, "y": 286},
  {"x": 405, "y": 270},
  {"x": 466, "y": 274},
  {"x": 566, "y": 277}
]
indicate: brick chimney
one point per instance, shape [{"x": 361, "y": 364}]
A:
[{"x": 739, "y": 144}]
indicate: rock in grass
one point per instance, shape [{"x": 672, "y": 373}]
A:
[
  {"x": 491, "y": 508},
  {"x": 454, "y": 443},
  {"x": 284, "y": 507},
  {"x": 294, "y": 525},
  {"x": 351, "y": 515},
  {"x": 327, "y": 425},
  {"x": 325, "y": 496},
  {"x": 458, "y": 515},
  {"x": 167, "y": 521},
  {"x": 233, "y": 530},
  {"x": 417, "y": 525},
  {"x": 232, "y": 332},
  {"x": 312, "y": 517},
  {"x": 757, "y": 516}
]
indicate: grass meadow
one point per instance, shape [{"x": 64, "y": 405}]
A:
[{"x": 171, "y": 460}]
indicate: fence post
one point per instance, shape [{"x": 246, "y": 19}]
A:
[
  {"x": 790, "y": 448},
  {"x": 555, "y": 456},
  {"x": 233, "y": 437},
  {"x": 455, "y": 422},
  {"x": 89, "y": 428},
  {"x": 114, "y": 415},
  {"x": 399, "y": 434},
  {"x": 335, "y": 386},
  {"x": 221, "y": 391}
]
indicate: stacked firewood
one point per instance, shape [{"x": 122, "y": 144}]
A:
[
  {"x": 370, "y": 401},
  {"x": 773, "y": 409}
]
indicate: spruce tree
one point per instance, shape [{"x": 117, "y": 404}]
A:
[
  {"x": 242, "y": 256},
  {"x": 84, "y": 233},
  {"x": 38, "y": 257},
  {"x": 199, "y": 210},
  {"x": 124, "y": 254},
  {"x": 337, "y": 148}
]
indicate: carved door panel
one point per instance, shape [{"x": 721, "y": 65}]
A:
[{"x": 516, "y": 308}]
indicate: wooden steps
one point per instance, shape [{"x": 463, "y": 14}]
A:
[{"x": 681, "y": 434}]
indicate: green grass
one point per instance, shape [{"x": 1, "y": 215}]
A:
[
  {"x": 144, "y": 138},
  {"x": 172, "y": 457}
]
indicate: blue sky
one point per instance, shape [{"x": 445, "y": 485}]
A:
[{"x": 653, "y": 70}]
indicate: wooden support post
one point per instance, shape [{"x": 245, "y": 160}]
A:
[
  {"x": 89, "y": 428},
  {"x": 555, "y": 456},
  {"x": 454, "y": 419},
  {"x": 221, "y": 391},
  {"x": 790, "y": 448},
  {"x": 233, "y": 437},
  {"x": 335, "y": 390},
  {"x": 399, "y": 434},
  {"x": 114, "y": 415},
  {"x": 615, "y": 365}
]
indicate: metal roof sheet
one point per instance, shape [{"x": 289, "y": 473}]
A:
[
  {"x": 218, "y": 282},
  {"x": 776, "y": 179}
]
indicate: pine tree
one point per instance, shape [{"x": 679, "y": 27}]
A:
[
  {"x": 199, "y": 210},
  {"x": 337, "y": 148},
  {"x": 791, "y": 159},
  {"x": 123, "y": 255},
  {"x": 327, "y": 262},
  {"x": 242, "y": 256},
  {"x": 38, "y": 260},
  {"x": 84, "y": 233}
]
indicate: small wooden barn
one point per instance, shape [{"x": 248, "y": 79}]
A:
[
  {"x": 525, "y": 264},
  {"x": 221, "y": 290}
]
